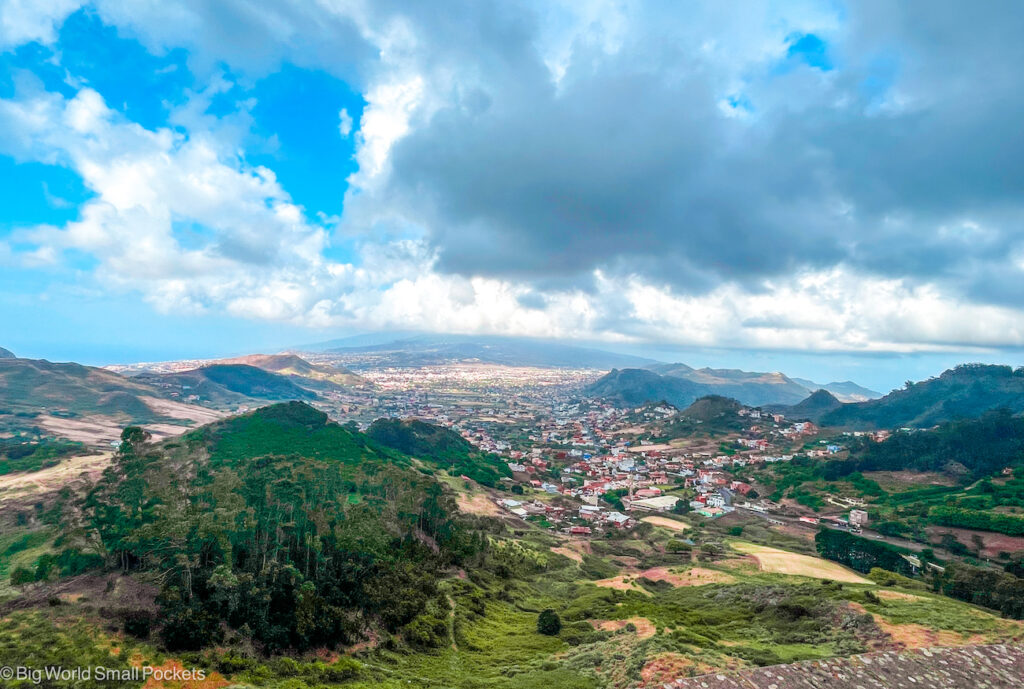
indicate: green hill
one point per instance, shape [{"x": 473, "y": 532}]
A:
[
  {"x": 6, "y": 354},
  {"x": 634, "y": 387},
  {"x": 32, "y": 386},
  {"x": 279, "y": 525},
  {"x": 228, "y": 384},
  {"x": 439, "y": 447},
  {"x": 965, "y": 392}
]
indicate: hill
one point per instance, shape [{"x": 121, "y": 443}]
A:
[
  {"x": 634, "y": 386},
  {"x": 427, "y": 350},
  {"x": 296, "y": 366},
  {"x": 817, "y": 404},
  {"x": 42, "y": 400},
  {"x": 964, "y": 392},
  {"x": 310, "y": 535},
  {"x": 6, "y": 354},
  {"x": 712, "y": 408},
  {"x": 32, "y": 386},
  {"x": 438, "y": 447},
  {"x": 227, "y": 385}
]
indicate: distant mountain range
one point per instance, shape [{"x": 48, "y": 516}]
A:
[
  {"x": 295, "y": 366},
  {"x": 227, "y": 385},
  {"x": 432, "y": 350},
  {"x": 680, "y": 385},
  {"x": 6, "y": 354},
  {"x": 92, "y": 404}
]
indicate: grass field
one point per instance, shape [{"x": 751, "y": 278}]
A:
[
  {"x": 667, "y": 523},
  {"x": 784, "y": 562}
]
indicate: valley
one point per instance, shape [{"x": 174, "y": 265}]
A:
[{"x": 315, "y": 519}]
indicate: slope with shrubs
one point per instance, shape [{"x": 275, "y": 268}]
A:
[{"x": 439, "y": 447}]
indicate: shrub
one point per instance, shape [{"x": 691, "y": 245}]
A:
[
  {"x": 549, "y": 623},
  {"x": 137, "y": 623},
  {"x": 342, "y": 669},
  {"x": 426, "y": 631},
  {"x": 21, "y": 576}
]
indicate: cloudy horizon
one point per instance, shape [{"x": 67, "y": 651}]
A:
[{"x": 823, "y": 186}]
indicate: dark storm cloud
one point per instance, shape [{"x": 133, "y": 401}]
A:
[{"x": 896, "y": 148}]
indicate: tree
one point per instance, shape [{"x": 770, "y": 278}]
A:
[{"x": 549, "y": 623}]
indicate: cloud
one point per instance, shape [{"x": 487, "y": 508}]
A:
[
  {"x": 344, "y": 123},
  {"x": 24, "y": 21},
  {"x": 797, "y": 176}
]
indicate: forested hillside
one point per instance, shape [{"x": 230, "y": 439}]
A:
[
  {"x": 290, "y": 529},
  {"x": 964, "y": 392},
  {"x": 439, "y": 447},
  {"x": 972, "y": 448}
]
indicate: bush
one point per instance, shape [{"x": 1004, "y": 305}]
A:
[
  {"x": 549, "y": 623},
  {"x": 426, "y": 631},
  {"x": 137, "y": 623},
  {"x": 343, "y": 669},
  {"x": 21, "y": 576},
  {"x": 884, "y": 577}
]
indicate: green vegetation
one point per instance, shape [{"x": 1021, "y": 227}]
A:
[
  {"x": 980, "y": 586},
  {"x": 974, "y": 519},
  {"x": 548, "y": 622},
  {"x": 28, "y": 386},
  {"x": 270, "y": 543},
  {"x": 964, "y": 392},
  {"x": 439, "y": 447},
  {"x": 971, "y": 448},
  {"x": 228, "y": 384},
  {"x": 22, "y": 454}
]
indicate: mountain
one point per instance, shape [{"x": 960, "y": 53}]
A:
[
  {"x": 294, "y": 365},
  {"x": 635, "y": 386},
  {"x": 227, "y": 385},
  {"x": 432, "y": 350},
  {"x": 844, "y": 391},
  {"x": 40, "y": 399},
  {"x": 680, "y": 385},
  {"x": 36, "y": 385},
  {"x": 755, "y": 388},
  {"x": 963, "y": 392},
  {"x": 819, "y": 403},
  {"x": 6, "y": 354}
]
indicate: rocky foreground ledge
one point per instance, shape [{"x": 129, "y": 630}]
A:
[{"x": 962, "y": 667}]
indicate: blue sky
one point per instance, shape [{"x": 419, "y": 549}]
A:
[{"x": 814, "y": 187}]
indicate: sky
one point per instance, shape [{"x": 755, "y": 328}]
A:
[{"x": 830, "y": 189}]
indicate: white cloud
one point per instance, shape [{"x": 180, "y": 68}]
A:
[
  {"x": 23, "y": 21},
  {"x": 344, "y": 123},
  {"x": 179, "y": 216}
]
